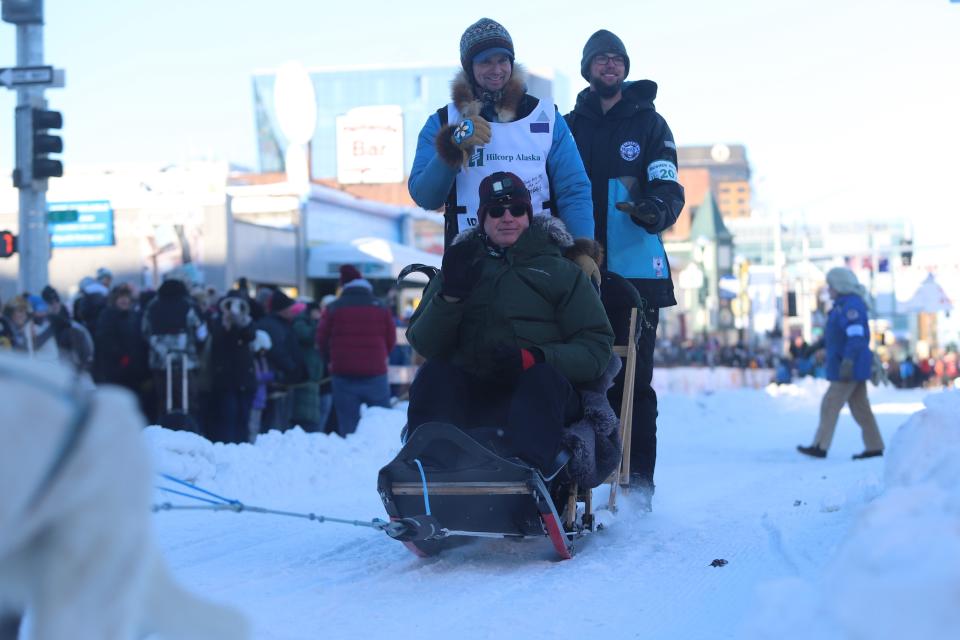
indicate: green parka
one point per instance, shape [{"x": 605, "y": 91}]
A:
[{"x": 528, "y": 295}]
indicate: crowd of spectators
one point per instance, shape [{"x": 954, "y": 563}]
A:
[
  {"x": 226, "y": 365},
  {"x": 710, "y": 352},
  {"x": 940, "y": 369},
  {"x": 903, "y": 369}
]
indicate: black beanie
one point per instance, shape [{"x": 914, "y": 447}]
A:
[
  {"x": 50, "y": 295},
  {"x": 603, "y": 41},
  {"x": 280, "y": 301}
]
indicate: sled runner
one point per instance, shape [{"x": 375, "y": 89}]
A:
[{"x": 444, "y": 483}]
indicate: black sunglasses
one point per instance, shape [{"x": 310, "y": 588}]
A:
[{"x": 516, "y": 210}]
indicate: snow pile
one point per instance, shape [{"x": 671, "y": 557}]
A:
[
  {"x": 290, "y": 470},
  {"x": 897, "y": 574}
]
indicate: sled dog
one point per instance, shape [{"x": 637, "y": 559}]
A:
[{"x": 76, "y": 550}]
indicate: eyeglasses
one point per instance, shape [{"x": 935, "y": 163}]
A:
[
  {"x": 516, "y": 210},
  {"x": 603, "y": 59}
]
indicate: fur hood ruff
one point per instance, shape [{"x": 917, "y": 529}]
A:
[{"x": 462, "y": 95}]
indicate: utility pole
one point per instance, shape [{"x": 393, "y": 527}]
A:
[{"x": 30, "y": 78}]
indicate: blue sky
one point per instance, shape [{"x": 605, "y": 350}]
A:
[{"x": 844, "y": 105}]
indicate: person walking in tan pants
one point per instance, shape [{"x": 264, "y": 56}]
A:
[
  {"x": 853, "y": 393},
  {"x": 846, "y": 338}
]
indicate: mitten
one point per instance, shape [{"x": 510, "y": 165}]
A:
[
  {"x": 459, "y": 270},
  {"x": 471, "y": 132},
  {"x": 588, "y": 254},
  {"x": 590, "y": 268},
  {"x": 455, "y": 142}
]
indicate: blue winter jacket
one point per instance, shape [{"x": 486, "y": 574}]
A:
[
  {"x": 431, "y": 179},
  {"x": 847, "y": 335}
]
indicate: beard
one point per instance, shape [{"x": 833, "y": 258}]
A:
[{"x": 604, "y": 90}]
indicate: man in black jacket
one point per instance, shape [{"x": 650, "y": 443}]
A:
[{"x": 631, "y": 160}]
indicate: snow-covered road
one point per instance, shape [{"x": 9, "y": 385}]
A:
[{"x": 729, "y": 486}]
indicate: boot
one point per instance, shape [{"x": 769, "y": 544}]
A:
[
  {"x": 867, "y": 454},
  {"x": 814, "y": 451},
  {"x": 641, "y": 491}
]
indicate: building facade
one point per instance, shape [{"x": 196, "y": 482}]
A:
[{"x": 367, "y": 122}]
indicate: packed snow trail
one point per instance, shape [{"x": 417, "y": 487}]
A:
[{"x": 729, "y": 486}]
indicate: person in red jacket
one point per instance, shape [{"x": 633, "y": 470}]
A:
[{"x": 355, "y": 335}]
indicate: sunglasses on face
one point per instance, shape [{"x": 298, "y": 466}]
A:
[{"x": 516, "y": 210}]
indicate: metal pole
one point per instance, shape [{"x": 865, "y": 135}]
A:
[
  {"x": 34, "y": 243},
  {"x": 779, "y": 262}
]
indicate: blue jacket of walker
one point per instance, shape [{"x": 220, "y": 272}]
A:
[{"x": 847, "y": 335}]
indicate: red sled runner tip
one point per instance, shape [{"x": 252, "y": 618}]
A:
[{"x": 552, "y": 524}]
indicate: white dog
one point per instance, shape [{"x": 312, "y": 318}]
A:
[{"x": 76, "y": 551}]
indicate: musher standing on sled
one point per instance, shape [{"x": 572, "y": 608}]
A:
[
  {"x": 630, "y": 156},
  {"x": 492, "y": 124},
  {"x": 507, "y": 328}
]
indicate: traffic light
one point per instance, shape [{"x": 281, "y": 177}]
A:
[
  {"x": 8, "y": 244},
  {"x": 34, "y": 143},
  {"x": 906, "y": 252},
  {"x": 44, "y": 143},
  {"x": 23, "y": 11}
]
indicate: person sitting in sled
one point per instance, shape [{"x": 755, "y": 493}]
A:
[{"x": 507, "y": 329}]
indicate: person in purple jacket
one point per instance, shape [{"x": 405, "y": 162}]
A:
[{"x": 849, "y": 365}]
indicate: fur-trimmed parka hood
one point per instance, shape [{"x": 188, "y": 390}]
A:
[
  {"x": 463, "y": 95},
  {"x": 552, "y": 228}
]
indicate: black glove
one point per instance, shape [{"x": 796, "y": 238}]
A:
[
  {"x": 644, "y": 212},
  {"x": 509, "y": 361},
  {"x": 459, "y": 270},
  {"x": 846, "y": 370}
]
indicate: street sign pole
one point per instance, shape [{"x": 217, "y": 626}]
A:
[{"x": 34, "y": 243}]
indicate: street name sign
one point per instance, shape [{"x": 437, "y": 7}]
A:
[{"x": 13, "y": 77}]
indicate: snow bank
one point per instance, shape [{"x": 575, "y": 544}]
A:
[
  {"x": 897, "y": 574},
  {"x": 292, "y": 470}
]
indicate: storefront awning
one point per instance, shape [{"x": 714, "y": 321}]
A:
[{"x": 375, "y": 258}]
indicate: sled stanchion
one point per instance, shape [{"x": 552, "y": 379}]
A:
[
  {"x": 626, "y": 406},
  {"x": 570, "y": 515}
]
